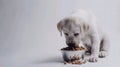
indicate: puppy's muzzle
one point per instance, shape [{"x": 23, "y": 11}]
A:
[{"x": 71, "y": 44}]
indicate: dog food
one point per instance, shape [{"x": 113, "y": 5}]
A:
[{"x": 74, "y": 49}]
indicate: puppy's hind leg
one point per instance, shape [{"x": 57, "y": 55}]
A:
[{"x": 104, "y": 48}]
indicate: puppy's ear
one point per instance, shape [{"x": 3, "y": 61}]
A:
[
  {"x": 59, "y": 27},
  {"x": 85, "y": 27}
]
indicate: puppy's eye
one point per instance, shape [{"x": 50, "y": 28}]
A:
[
  {"x": 66, "y": 34},
  {"x": 76, "y": 34}
]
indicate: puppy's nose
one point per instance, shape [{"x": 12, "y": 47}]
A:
[
  {"x": 71, "y": 44},
  {"x": 70, "y": 38}
]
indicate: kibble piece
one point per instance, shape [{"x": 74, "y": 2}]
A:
[
  {"x": 65, "y": 62},
  {"x": 73, "y": 62}
]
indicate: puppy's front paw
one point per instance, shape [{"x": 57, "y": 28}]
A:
[
  {"x": 93, "y": 58},
  {"x": 103, "y": 54}
]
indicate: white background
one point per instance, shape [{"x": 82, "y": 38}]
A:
[{"x": 29, "y": 36}]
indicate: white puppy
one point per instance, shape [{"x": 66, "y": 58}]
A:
[{"x": 80, "y": 27}]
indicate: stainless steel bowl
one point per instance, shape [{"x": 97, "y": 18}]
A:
[{"x": 67, "y": 54}]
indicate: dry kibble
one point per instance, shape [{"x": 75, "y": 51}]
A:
[
  {"x": 65, "y": 62},
  {"x": 74, "y": 49}
]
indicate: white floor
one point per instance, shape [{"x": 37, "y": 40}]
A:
[
  {"x": 29, "y": 36},
  {"x": 44, "y": 57}
]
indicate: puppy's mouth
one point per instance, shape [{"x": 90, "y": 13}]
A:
[{"x": 72, "y": 45}]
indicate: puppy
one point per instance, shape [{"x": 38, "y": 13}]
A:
[{"x": 80, "y": 27}]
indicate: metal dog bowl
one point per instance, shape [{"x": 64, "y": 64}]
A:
[{"x": 68, "y": 54}]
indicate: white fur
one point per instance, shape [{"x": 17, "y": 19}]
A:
[{"x": 87, "y": 17}]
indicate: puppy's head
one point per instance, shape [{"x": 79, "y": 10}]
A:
[{"x": 73, "y": 30}]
